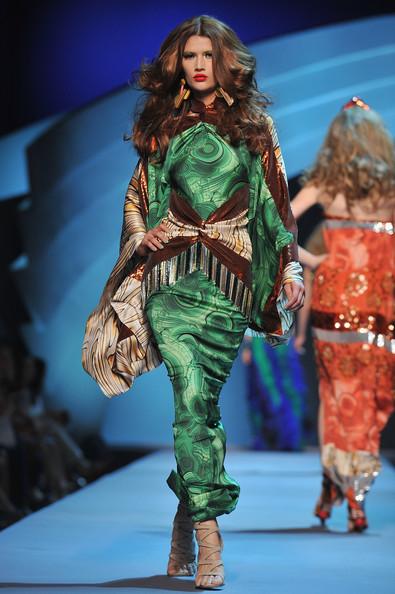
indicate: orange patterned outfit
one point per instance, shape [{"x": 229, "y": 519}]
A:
[{"x": 353, "y": 329}]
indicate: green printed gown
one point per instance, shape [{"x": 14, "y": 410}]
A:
[
  {"x": 198, "y": 332},
  {"x": 231, "y": 231}
]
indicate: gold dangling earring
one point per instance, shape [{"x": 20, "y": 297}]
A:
[
  {"x": 183, "y": 94},
  {"x": 221, "y": 93}
]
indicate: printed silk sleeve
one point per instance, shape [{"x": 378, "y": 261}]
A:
[
  {"x": 135, "y": 206},
  {"x": 276, "y": 180},
  {"x": 118, "y": 345}
]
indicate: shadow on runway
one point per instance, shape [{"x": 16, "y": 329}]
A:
[
  {"x": 158, "y": 582},
  {"x": 154, "y": 582},
  {"x": 308, "y": 530}
]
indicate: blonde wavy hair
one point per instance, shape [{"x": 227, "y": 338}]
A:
[{"x": 357, "y": 159}]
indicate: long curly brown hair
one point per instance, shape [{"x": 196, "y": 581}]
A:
[
  {"x": 357, "y": 159},
  {"x": 234, "y": 69}
]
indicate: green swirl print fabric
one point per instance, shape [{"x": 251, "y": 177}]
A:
[
  {"x": 209, "y": 180},
  {"x": 198, "y": 332},
  {"x": 197, "y": 329},
  {"x": 205, "y": 169},
  {"x": 202, "y": 167}
]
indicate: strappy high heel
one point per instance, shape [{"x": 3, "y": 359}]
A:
[
  {"x": 182, "y": 550},
  {"x": 330, "y": 495},
  {"x": 208, "y": 565},
  {"x": 357, "y": 520}
]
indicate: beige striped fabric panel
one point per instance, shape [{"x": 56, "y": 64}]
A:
[{"x": 115, "y": 363}]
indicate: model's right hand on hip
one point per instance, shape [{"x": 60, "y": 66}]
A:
[{"x": 153, "y": 240}]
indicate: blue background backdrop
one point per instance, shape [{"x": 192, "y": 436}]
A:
[{"x": 56, "y": 56}]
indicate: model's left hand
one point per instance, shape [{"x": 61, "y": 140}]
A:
[
  {"x": 295, "y": 295},
  {"x": 299, "y": 342}
]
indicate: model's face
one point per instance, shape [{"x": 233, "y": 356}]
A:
[{"x": 197, "y": 63}]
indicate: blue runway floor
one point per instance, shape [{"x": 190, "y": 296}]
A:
[{"x": 115, "y": 534}]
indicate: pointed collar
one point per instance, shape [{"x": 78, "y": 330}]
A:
[
  {"x": 196, "y": 111},
  {"x": 198, "y": 106},
  {"x": 206, "y": 113}
]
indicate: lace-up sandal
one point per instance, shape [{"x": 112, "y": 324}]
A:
[
  {"x": 210, "y": 570},
  {"x": 182, "y": 550}
]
